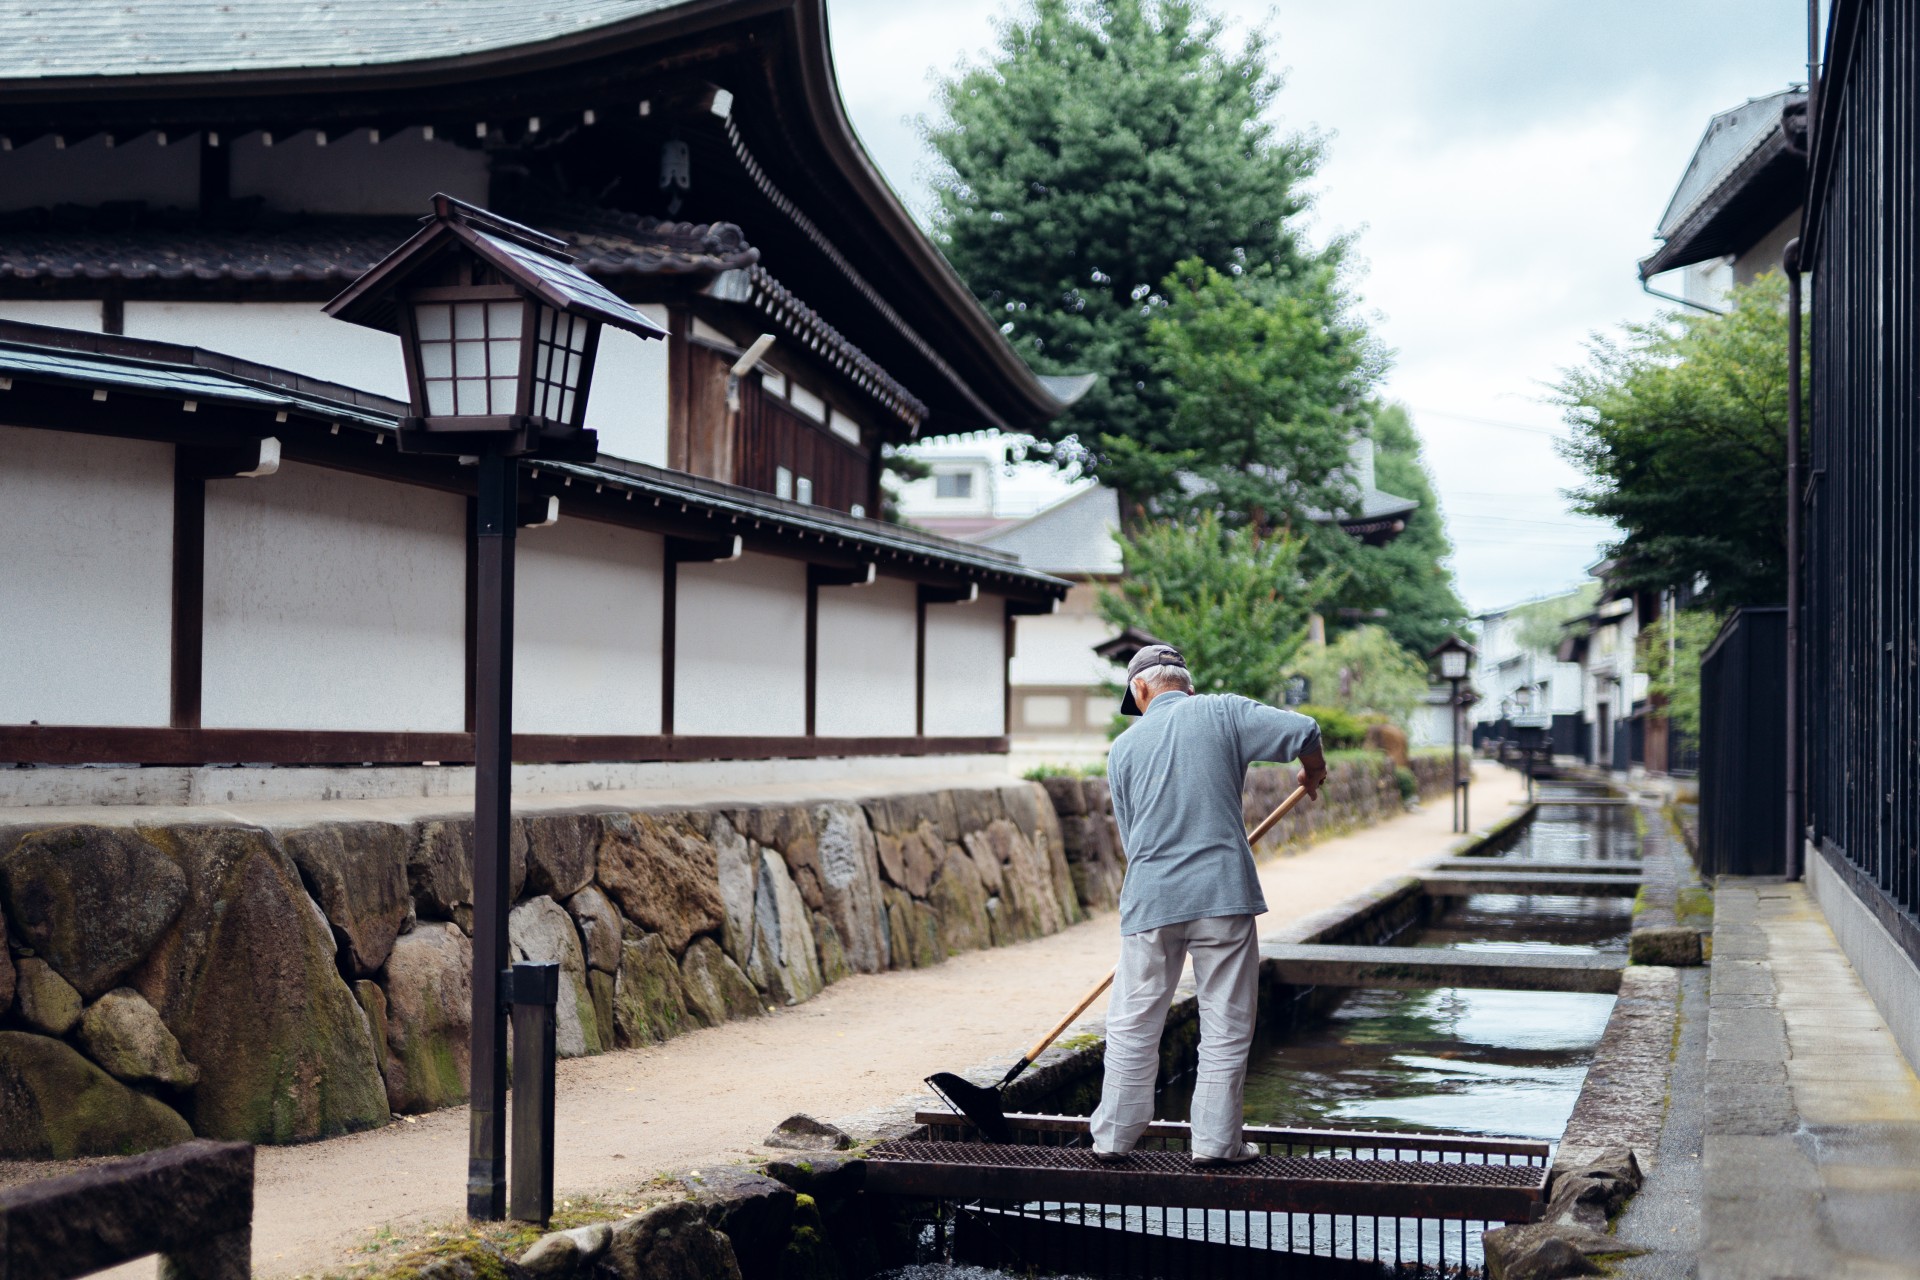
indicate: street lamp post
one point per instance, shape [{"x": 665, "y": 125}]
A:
[
  {"x": 499, "y": 331},
  {"x": 1452, "y": 655}
]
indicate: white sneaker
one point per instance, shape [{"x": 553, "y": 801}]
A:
[{"x": 1247, "y": 1154}]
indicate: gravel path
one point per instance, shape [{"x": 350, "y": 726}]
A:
[{"x": 708, "y": 1097}]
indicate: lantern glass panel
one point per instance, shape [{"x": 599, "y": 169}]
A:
[
  {"x": 469, "y": 356},
  {"x": 559, "y": 352},
  {"x": 1453, "y": 664}
]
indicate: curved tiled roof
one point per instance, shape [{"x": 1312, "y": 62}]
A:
[
  {"x": 185, "y": 37},
  {"x": 334, "y": 251}
]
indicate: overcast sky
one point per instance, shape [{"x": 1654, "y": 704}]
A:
[{"x": 1504, "y": 163}]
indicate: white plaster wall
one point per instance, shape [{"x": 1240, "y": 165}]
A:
[
  {"x": 287, "y": 335},
  {"x": 75, "y": 313},
  {"x": 334, "y": 601},
  {"x": 966, "y": 655},
  {"x": 352, "y": 174},
  {"x": 1057, "y": 648},
  {"x": 86, "y": 578},
  {"x": 628, "y": 402},
  {"x": 865, "y": 677},
  {"x": 90, "y": 172},
  {"x": 740, "y": 661},
  {"x": 587, "y": 637}
]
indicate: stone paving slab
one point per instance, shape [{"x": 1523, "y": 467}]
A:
[{"x": 1811, "y": 1157}]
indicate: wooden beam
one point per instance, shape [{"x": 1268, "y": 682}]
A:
[
  {"x": 833, "y": 575},
  {"x": 704, "y": 550},
  {"x": 87, "y": 744},
  {"x": 189, "y": 590},
  {"x": 941, "y": 593},
  {"x": 920, "y": 664},
  {"x": 669, "y": 634}
]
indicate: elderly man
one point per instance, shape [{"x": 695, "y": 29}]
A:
[{"x": 1191, "y": 890}]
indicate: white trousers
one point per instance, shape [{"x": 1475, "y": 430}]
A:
[{"x": 1226, "y": 972}]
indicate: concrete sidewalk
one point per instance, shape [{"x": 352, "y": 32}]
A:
[{"x": 1812, "y": 1146}]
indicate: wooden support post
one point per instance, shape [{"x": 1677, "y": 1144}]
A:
[{"x": 536, "y": 993}]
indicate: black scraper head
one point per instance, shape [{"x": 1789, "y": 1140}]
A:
[{"x": 983, "y": 1107}]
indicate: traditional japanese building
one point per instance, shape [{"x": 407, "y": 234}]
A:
[{"x": 217, "y": 555}]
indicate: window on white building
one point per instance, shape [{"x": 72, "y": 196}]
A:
[{"x": 953, "y": 484}]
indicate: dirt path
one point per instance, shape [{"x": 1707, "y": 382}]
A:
[{"x": 709, "y": 1096}]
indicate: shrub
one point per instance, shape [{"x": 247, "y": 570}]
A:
[
  {"x": 1339, "y": 730},
  {"x": 1409, "y": 785}
]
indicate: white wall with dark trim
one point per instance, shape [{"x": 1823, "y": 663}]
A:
[{"x": 86, "y": 579}]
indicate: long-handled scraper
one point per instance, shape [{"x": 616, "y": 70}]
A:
[{"x": 985, "y": 1107}]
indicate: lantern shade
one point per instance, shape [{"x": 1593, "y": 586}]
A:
[
  {"x": 1452, "y": 654},
  {"x": 500, "y": 331}
]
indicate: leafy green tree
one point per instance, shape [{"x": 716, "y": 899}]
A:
[
  {"x": 1233, "y": 602},
  {"x": 1099, "y": 145},
  {"x": 1681, "y": 429},
  {"x": 1365, "y": 671},
  {"x": 1670, "y": 652},
  {"x": 1541, "y": 624},
  {"x": 1408, "y": 578},
  {"x": 1266, "y": 380}
]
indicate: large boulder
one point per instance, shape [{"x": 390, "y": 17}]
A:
[
  {"x": 55, "y": 1105},
  {"x": 785, "y": 962},
  {"x": 649, "y": 998},
  {"x": 540, "y": 930},
  {"x": 754, "y": 1212},
  {"x": 560, "y": 852},
  {"x": 915, "y": 931},
  {"x": 600, "y": 928},
  {"x": 440, "y": 869},
  {"x": 911, "y": 858},
  {"x": 358, "y": 874},
  {"x": 429, "y": 988},
  {"x": 959, "y": 903},
  {"x": 124, "y": 1035},
  {"x": 737, "y": 863},
  {"x": 1031, "y": 906},
  {"x": 91, "y": 901},
  {"x": 791, "y": 831},
  {"x": 661, "y": 872},
  {"x": 246, "y": 981},
  {"x": 6, "y": 967},
  {"x": 672, "y": 1241},
  {"x": 373, "y": 1003},
  {"x": 716, "y": 990},
  {"x": 48, "y": 1001},
  {"x": 847, "y": 860}
]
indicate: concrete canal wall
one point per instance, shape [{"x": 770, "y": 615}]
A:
[{"x": 284, "y": 980}]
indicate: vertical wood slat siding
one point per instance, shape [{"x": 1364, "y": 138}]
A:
[
  {"x": 772, "y": 435},
  {"x": 1861, "y": 660}
]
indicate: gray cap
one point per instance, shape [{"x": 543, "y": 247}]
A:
[{"x": 1153, "y": 655}]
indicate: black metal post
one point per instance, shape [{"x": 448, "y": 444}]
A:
[
  {"x": 1791, "y": 260},
  {"x": 1454, "y": 704},
  {"x": 492, "y": 804},
  {"x": 536, "y": 993}
]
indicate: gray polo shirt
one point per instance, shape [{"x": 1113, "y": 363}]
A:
[{"x": 1177, "y": 778}]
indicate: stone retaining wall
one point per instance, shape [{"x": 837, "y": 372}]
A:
[{"x": 278, "y": 984}]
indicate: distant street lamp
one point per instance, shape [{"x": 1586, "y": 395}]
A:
[
  {"x": 499, "y": 331},
  {"x": 1452, "y": 656}
]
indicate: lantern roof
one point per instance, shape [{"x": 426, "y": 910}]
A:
[{"x": 532, "y": 260}]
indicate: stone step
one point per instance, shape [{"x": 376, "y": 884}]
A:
[
  {"x": 1459, "y": 884},
  {"x": 1508, "y": 866},
  {"x": 1319, "y": 965}
]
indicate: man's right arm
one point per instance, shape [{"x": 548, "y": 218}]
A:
[{"x": 1269, "y": 733}]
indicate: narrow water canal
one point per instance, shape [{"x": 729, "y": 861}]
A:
[
  {"x": 1499, "y": 1063},
  {"x": 1496, "y": 1063}
]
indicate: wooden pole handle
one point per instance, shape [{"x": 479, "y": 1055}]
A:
[
  {"x": 1253, "y": 837},
  {"x": 1267, "y": 823},
  {"x": 1099, "y": 988}
]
